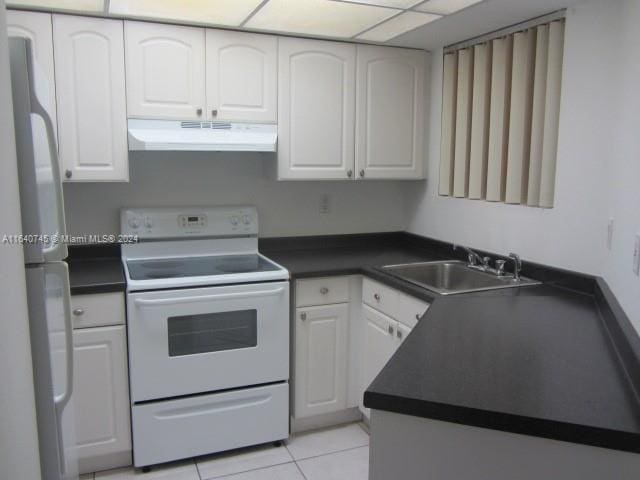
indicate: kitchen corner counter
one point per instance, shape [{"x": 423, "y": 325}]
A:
[
  {"x": 558, "y": 360},
  {"x": 542, "y": 366},
  {"x": 95, "y": 269}
]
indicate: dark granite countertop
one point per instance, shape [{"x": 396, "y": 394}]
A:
[
  {"x": 95, "y": 269},
  {"x": 559, "y": 360}
]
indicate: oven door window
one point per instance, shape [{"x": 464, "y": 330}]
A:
[{"x": 212, "y": 332}]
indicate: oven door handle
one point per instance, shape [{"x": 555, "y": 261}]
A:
[{"x": 161, "y": 302}]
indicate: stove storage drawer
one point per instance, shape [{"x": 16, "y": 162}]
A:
[
  {"x": 199, "y": 425},
  {"x": 200, "y": 340}
]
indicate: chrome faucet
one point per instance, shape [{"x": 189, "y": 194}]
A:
[
  {"x": 482, "y": 263},
  {"x": 517, "y": 266},
  {"x": 472, "y": 256}
]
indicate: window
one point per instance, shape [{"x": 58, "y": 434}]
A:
[{"x": 501, "y": 102}]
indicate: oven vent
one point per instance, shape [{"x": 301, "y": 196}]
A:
[
  {"x": 176, "y": 135},
  {"x": 208, "y": 125}
]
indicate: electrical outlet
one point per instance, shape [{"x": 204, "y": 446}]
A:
[
  {"x": 325, "y": 204},
  {"x": 610, "y": 233},
  {"x": 636, "y": 256}
]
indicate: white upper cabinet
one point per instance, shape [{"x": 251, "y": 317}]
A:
[
  {"x": 37, "y": 27},
  {"x": 90, "y": 90},
  {"x": 241, "y": 76},
  {"x": 316, "y": 109},
  {"x": 165, "y": 71},
  {"x": 390, "y": 112}
]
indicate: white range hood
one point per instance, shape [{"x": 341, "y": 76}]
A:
[{"x": 175, "y": 135}]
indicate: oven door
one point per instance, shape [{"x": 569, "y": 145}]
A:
[{"x": 199, "y": 340}]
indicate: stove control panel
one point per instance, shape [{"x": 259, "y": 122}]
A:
[
  {"x": 192, "y": 221},
  {"x": 180, "y": 222}
]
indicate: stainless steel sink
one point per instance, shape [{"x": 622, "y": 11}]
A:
[{"x": 452, "y": 276}]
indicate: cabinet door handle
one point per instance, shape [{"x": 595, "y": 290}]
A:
[
  {"x": 362, "y": 172},
  {"x": 68, "y": 173},
  {"x": 324, "y": 290},
  {"x": 418, "y": 316},
  {"x": 349, "y": 173},
  {"x": 303, "y": 316},
  {"x": 399, "y": 333},
  {"x": 199, "y": 112},
  {"x": 214, "y": 113},
  {"x": 390, "y": 329},
  {"x": 78, "y": 312},
  {"x": 376, "y": 296}
]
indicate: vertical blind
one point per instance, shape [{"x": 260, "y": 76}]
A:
[{"x": 501, "y": 103}]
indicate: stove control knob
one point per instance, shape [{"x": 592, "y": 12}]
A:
[
  {"x": 234, "y": 220},
  {"x": 134, "y": 223},
  {"x": 148, "y": 222},
  {"x": 246, "y": 220}
]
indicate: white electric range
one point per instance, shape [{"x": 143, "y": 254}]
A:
[{"x": 208, "y": 333}]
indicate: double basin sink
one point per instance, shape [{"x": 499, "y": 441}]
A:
[{"x": 452, "y": 276}]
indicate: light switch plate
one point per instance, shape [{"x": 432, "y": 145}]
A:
[{"x": 636, "y": 256}]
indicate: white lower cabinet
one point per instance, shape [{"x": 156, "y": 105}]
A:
[
  {"x": 321, "y": 359},
  {"x": 101, "y": 394},
  {"x": 346, "y": 330},
  {"x": 379, "y": 345},
  {"x": 388, "y": 316}
]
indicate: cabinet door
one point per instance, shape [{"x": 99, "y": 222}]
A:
[
  {"x": 37, "y": 27},
  {"x": 321, "y": 359},
  {"x": 316, "y": 105},
  {"x": 90, "y": 80},
  {"x": 165, "y": 71},
  {"x": 101, "y": 398},
  {"x": 390, "y": 112},
  {"x": 241, "y": 76},
  {"x": 379, "y": 345}
]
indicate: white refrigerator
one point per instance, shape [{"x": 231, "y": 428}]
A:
[{"x": 43, "y": 226}]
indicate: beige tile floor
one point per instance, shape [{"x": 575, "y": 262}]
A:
[{"x": 335, "y": 453}]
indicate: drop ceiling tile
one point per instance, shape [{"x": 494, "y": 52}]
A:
[
  {"x": 445, "y": 7},
  {"x": 76, "y": 5},
  {"x": 217, "y": 12},
  {"x": 388, "y": 3},
  {"x": 318, "y": 17},
  {"x": 397, "y": 26}
]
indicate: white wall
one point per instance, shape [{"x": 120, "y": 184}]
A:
[
  {"x": 591, "y": 171},
  {"x": 623, "y": 162},
  {"x": 568, "y": 234},
  {"x": 285, "y": 208},
  {"x": 19, "y": 458}
]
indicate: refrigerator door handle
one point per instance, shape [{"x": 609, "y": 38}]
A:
[
  {"x": 61, "y": 401},
  {"x": 57, "y": 250}
]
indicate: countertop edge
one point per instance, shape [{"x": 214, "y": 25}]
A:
[
  {"x": 97, "y": 289},
  {"x": 505, "y": 422}
]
